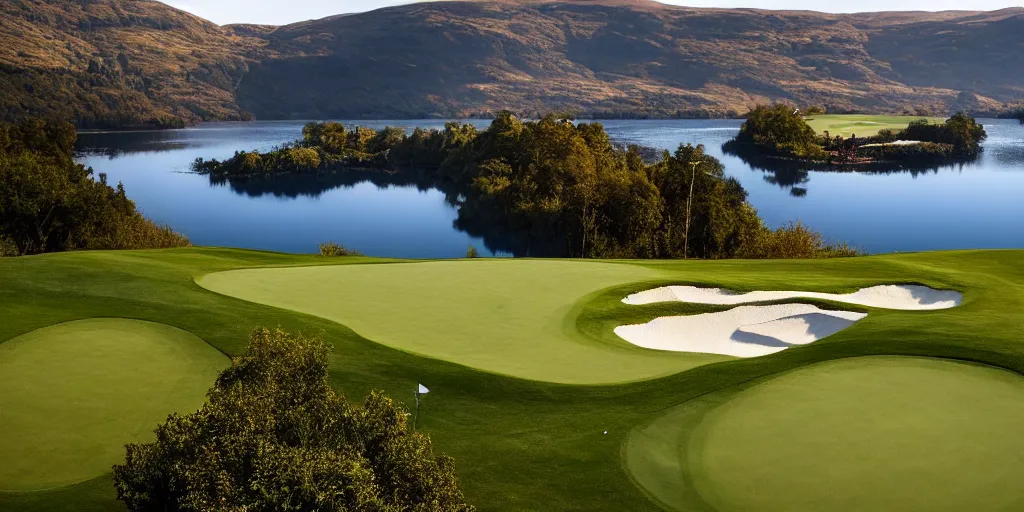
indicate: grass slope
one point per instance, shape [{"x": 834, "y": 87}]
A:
[
  {"x": 72, "y": 394},
  {"x": 862, "y": 125},
  {"x": 520, "y": 444}
]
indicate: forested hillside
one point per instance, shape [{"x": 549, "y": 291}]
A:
[{"x": 121, "y": 63}]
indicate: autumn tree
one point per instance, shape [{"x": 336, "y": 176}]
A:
[{"x": 274, "y": 435}]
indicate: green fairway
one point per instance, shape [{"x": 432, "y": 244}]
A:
[
  {"x": 862, "y": 125},
  {"x": 507, "y": 317},
  {"x": 870, "y": 433},
  {"x": 530, "y": 444},
  {"x": 71, "y": 395}
]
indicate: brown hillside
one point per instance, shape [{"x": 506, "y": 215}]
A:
[
  {"x": 614, "y": 57},
  {"x": 118, "y": 62},
  {"x": 125, "y": 62}
]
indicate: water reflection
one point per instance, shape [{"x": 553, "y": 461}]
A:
[
  {"x": 115, "y": 144},
  {"x": 314, "y": 185}
]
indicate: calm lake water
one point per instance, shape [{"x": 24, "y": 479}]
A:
[{"x": 975, "y": 205}]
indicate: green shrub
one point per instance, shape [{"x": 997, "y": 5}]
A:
[
  {"x": 793, "y": 240},
  {"x": 885, "y": 136},
  {"x": 7, "y": 247},
  {"x": 274, "y": 435},
  {"x": 50, "y": 203},
  {"x": 331, "y": 249},
  {"x": 304, "y": 158},
  {"x": 472, "y": 252}
]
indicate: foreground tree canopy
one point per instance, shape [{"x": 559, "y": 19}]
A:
[
  {"x": 274, "y": 435},
  {"x": 553, "y": 188},
  {"x": 781, "y": 131},
  {"x": 50, "y": 203}
]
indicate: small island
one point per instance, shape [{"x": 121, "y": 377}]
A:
[{"x": 782, "y": 132}]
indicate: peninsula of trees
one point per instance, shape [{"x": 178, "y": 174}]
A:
[{"x": 553, "y": 188}]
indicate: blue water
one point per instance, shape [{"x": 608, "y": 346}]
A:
[{"x": 975, "y": 205}]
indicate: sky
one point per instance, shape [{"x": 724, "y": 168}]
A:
[{"x": 281, "y": 12}]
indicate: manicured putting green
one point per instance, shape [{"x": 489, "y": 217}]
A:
[
  {"x": 72, "y": 395},
  {"x": 511, "y": 317},
  {"x": 862, "y": 125},
  {"x": 868, "y": 433}
]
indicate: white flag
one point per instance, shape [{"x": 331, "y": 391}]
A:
[{"x": 423, "y": 390}]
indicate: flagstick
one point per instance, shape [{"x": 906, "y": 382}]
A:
[
  {"x": 416, "y": 417},
  {"x": 420, "y": 390}
]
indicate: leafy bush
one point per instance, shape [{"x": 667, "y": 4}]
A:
[
  {"x": 472, "y": 252},
  {"x": 49, "y": 203},
  {"x": 274, "y": 435},
  {"x": 792, "y": 241},
  {"x": 7, "y": 247},
  {"x": 333, "y": 249},
  {"x": 884, "y": 136},
  {"x": 304, "y": 158}
]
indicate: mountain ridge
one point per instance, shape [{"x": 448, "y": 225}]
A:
[{"x": 119, "y": 63}]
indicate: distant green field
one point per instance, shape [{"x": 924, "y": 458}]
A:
[
  {"x": 862, "y": 125},
  {"x": 539, "y": 403}
]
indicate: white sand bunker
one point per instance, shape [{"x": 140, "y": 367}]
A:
[
  {"x": 908, "y": 297},
  {"x": 746, "y": 331}
]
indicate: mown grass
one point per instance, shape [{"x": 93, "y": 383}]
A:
[
  {"x": 507, "y": 317},
  {"x": 859, "y": 433},
  {"x": 866, "y": 433},
  {"x": 862, "y": 125},
  {"x": 519, "y": 444},
  {"x": 73, "y": 393}
]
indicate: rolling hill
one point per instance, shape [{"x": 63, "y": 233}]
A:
[{"x": 112, "y": 61}]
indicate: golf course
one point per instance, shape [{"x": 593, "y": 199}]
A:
[
  {"x": 862, "y": 125},
  {"x": 894, "y": 382}
]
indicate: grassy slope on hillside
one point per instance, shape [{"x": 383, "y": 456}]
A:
[
  {"x": 518, "y": 444},
  {"x": 862, "y": 125}
]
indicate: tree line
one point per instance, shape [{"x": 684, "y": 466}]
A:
[
  {"x": 551, "y": 187},
  {"x": 50, "y": 203}
]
